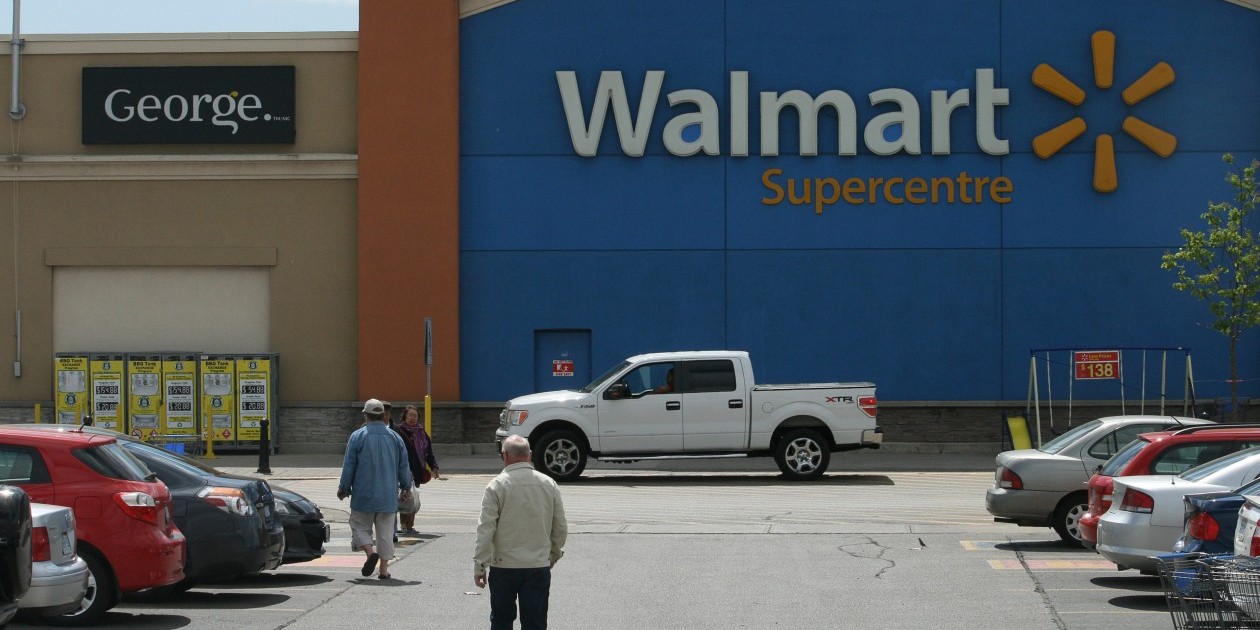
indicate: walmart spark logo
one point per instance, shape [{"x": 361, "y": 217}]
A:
[{"x": 1157, "y": 140}]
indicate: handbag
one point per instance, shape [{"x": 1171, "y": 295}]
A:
[
  {"x": 425, "y": 475},
  {"x": 411, "y": 504}
]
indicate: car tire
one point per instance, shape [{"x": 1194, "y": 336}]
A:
[
  {"x": 802, "y": 454},
  {"x": 560, "y": 455},
  {"x": 1067, "y": 518},
  {"x": 100, "y": 597}
]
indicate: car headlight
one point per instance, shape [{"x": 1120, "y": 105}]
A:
[
  {"x": 230, "y": 500},
  {"x": 518, "y": 416},
  {"x": 282, "y": 507}
]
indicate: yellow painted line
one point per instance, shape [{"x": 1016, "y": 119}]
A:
[{"x": 1051, "y": 565}]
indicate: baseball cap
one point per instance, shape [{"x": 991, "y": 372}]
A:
[{"x": 374, "y": 407}]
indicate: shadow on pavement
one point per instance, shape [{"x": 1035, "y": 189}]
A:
[
  {"x": 676, "y": 479},
  {"x": 1033, "y": 546},
  {"x": 115, "y": 619},
  {"x": 212, "y": 601},
  {"x": 1131, "y": 582},
  {"x": 1140, "y": 602},
  {"x": 271, "y": 580}
]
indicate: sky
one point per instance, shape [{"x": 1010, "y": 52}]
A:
[{"x": 180, "y": 16}]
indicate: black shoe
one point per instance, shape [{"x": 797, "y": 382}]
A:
[
  {"x": 395, "y": 539},
  {"x": 370, "y": 565},
  {"x": 385, "y": 576}
]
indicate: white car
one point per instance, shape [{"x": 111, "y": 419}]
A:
[
  {"x": 59, "y": 577},
  {"x": 1148, "y": 512},
  {"x": 1247, "y": 532}
]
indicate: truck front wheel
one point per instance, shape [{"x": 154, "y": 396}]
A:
[
  {"x": 802, "y": 455},
  {"x": 560, "y": 455}
]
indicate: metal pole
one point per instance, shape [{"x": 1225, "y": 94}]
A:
[
  {"x": 428, "y": 376},
  {"x": 16, "y": 109},
  {"x": 264, "y": 447}
]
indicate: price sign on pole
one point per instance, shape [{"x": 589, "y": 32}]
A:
[{"x": 1095, "y": 365}]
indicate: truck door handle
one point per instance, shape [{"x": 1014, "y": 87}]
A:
[
  {"x": 735, "y": 404},
  {"x": 673, "y": 405}
]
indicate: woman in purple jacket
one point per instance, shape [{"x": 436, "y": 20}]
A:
[{"x": 419, "y": 457}]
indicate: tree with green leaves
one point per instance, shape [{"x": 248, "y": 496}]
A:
[{"x": 1221, "y": 265}]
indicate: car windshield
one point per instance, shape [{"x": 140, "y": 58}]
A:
[
  {"x": 1251, "y": 488},
  {"x": 112, "y": 460},
  {"x": 1061, "y": 442},
  {"x": 1203, "y": 470},
  {"x": 1122, "y": 458},
  {"x": 174, "y": 460},
  {"x": 604, "y": 377}
]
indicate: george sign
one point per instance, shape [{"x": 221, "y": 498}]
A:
[
  {"x": 189, "y": 105},
  {"x": 562, "y": 367},
  {"x": 1097, "y": 364}
]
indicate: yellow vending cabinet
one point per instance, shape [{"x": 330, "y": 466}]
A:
[
  {"x": 218, "y": 398},
  {"x": 144, "y": 395},
  {"x": 179, "y": 387},
  {"x": 71, "y": 397},
  {"x": 108, "y": 391},
  {"x": 253, "y": 395}
]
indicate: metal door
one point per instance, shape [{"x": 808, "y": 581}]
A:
[{"x": 562, "y": 359}]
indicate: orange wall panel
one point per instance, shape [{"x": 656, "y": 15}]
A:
[{"x": 408, "y": 232}]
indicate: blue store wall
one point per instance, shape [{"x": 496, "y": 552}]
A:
[{"x": 933, "y": 301}]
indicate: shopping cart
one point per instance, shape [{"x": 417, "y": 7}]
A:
[{"x": 1211, "y": 591}]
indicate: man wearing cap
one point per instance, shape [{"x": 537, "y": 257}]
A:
[{"x": 373, "y": 475}]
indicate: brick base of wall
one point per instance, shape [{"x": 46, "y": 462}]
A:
[{"x": 954, "y": 427}]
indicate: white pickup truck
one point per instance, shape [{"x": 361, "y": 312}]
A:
[{"x": 676, "y": 405}]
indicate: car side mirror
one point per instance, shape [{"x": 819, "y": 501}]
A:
[{"x": 617, "y": 391}]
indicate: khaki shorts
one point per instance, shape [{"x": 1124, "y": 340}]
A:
[{"x": 361, "y": 524}]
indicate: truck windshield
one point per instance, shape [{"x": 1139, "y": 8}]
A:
[{"x": 603, "y": 378}]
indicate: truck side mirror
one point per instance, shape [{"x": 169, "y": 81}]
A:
[{"x": 617, "y": 391}]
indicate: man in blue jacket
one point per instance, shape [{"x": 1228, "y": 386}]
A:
[{"x": 375, "y": 475}]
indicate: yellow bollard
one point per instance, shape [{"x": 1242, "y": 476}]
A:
[
  {"x": 39, "y": 417},
  {"x": 209, "y": 434},
  {"x": 428, "y": 416}
]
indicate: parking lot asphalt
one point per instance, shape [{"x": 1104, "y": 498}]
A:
[{"x": 328, "y": 465}]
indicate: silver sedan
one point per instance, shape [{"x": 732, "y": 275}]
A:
[
  {"x": 1048, "y": 487},
  {"x": 1147, "y": 513},
  {"x": 59, "y": 577}
]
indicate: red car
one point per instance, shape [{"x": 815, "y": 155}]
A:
[
  {"x": 1162, "y": 453},
  {"x": 125, "y": 531}
]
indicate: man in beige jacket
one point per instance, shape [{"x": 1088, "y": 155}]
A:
[{"x": 520, "y": 536}]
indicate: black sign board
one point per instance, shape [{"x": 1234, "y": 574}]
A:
[{"x": 189, "y": 105}]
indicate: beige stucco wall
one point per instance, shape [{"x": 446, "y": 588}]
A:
[{"x": 288, "y": 208}]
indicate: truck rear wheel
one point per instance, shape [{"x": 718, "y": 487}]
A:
[
  {"x": 560, "y": 455},
  {"x": 802, "y": 454}
]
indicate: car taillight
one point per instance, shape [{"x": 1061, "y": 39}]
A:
[
  {"x": 230, "y": 500},
  {"x": 1203, "y": 527},
  {"x": 1255, "y": 546},
  {"x": 40, "y": 549},
  {"x": 138, "y": 505},
  {"x": 868, "y": 405},
  {"x": 1139, "y": 502},
  {"x": 1006, "y": 478}
]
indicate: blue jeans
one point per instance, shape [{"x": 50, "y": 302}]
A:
[{"x": 531, "y": 586}]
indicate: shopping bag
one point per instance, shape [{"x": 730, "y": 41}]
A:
[{"x": 411, "y": 504}]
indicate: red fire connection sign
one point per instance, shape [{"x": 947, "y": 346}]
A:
[
  {"x": 562, "y": 367},
  {"x": 1097, "y": 364}
]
